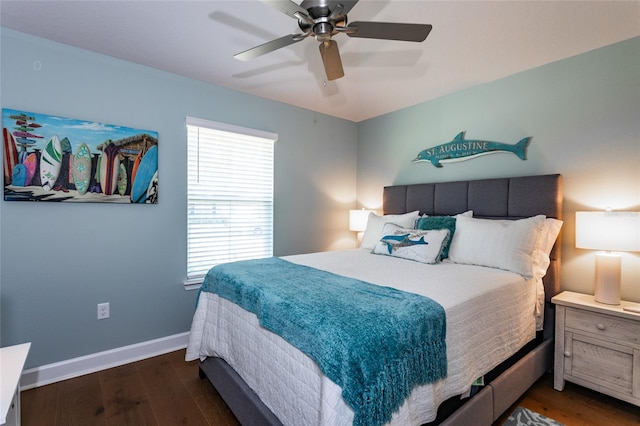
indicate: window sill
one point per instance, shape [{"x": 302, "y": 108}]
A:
[{"x": 192, "y": 284}]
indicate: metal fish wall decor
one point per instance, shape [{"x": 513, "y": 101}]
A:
[{"x": 460, "y": 149}]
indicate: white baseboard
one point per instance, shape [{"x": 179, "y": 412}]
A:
[{"x": 51, "y": 373}]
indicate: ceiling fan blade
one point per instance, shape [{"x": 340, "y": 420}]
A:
[
  {"x": 286, "y": 6},
  {"x": 269, "y": 46},
  {"x": 331, "y": 60},
  {"x": 388, "y": 31}
]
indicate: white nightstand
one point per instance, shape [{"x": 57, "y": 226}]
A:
[
  {"x": 597, "y": 346},
  {"x": 12, "y": 360}
]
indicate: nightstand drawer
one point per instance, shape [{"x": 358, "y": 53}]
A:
[{"x": 604, "y": 326}]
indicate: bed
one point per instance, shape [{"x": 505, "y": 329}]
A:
[{"x": 267, "y": 381}]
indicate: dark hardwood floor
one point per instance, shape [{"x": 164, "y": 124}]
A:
[
  {"x": 576, "y": 405},
  {"x": 166, "y": 390}
]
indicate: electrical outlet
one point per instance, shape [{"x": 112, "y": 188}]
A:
[{"x": 103, "y": 310}]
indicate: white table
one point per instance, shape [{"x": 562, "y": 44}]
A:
[
  {"x": 12, "y": 360},
  {"x": 597, "y": 346}
]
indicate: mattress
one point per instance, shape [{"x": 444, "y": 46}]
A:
[{"x": 490, "y": 313}]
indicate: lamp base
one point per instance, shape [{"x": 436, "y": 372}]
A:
[{"x": 607, "y": 289}]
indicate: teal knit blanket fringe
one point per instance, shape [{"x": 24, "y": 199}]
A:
[{"x": 377, "y": 343}]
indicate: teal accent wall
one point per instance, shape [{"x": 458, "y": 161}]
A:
[
  {"x": 583, "y": 114},
  {"x": 58, "y": 261}
]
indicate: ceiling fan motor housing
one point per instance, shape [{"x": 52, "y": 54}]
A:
[
  {"x": 323, "y": 31},
  {"x": 322, "y": 23}
]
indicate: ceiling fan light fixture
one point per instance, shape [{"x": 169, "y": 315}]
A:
[{"x": 323, "y": 31}]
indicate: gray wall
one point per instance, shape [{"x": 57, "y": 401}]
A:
[
  {"x": 58, "y": 261},
  {"x": 583, "y": 115}
]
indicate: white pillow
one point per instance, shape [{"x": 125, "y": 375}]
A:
[
  {"x": 550, "y": 231},
  {"x": 546, "y": 239},
  {"x": 375, "y": 224},
  {"x": 502, "y": 244},
  {"x": 413, "y": 244}
]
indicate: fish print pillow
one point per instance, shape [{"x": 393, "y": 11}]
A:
[{"x": 413, "y": 244}]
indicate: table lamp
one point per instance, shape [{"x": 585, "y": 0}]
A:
[
  {"x": 358, "y": 221},
  {"x": 613, "y": 232}
]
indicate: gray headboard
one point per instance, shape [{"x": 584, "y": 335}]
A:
[{"x": 501, "y": 198}]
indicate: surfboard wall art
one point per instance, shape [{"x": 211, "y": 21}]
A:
[{"x": 58, "y": 159}]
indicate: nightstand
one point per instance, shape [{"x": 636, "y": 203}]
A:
[
  {"x": 597, "y": 346},
  {"x": 12, "y": 360}
]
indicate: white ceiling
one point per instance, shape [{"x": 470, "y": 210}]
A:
[{"x": 472, "y": 42}]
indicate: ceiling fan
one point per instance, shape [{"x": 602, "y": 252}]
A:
[{"x": 323, "y": 19}]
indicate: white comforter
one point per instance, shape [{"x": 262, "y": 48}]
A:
[{"x": 490, "y": 314}]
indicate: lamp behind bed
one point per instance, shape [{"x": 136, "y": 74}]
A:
[{"x": 358, "y": 222}]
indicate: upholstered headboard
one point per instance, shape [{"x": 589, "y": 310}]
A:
[{"x": 501, "y": 198}]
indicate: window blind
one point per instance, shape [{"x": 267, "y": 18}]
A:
[{"x": 230, "y": 195}]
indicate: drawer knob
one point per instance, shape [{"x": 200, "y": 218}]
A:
[
  {"x": 600, "y": 326},
  {"x": 567, "y": 354}
]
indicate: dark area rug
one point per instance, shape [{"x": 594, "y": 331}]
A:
[{"x": 524, "y": 417}]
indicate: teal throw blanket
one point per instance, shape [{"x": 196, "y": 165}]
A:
[{"x": 377, "y": 343}]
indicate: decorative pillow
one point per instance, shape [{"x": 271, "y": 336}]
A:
[
  {"x": 502, "y": 244},
  {"x": 375, "y": 224},
  {"x": 439, "y": 222},
  {"x": 468, "y": 213},
  {"x": 413, "y": 244}
]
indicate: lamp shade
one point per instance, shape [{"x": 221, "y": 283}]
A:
[
  {"x": 358, "y": 220},
  {"x": 612, "y": 231}
]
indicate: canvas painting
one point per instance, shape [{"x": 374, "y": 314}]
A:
[{"x": 57, "y": 159}]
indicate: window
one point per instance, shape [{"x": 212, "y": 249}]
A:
[{"x": 230, "y": 195}]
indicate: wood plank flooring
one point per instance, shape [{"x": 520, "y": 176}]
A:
[
  {"x": 576, "y": 405},
  {"x": 166, "y": 390}
]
